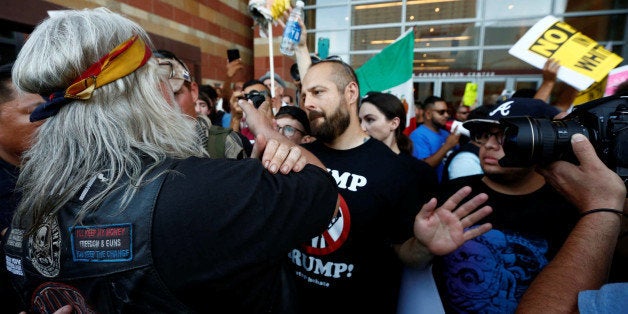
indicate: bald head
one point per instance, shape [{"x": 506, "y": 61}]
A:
[{"x": 341, "y": 73}]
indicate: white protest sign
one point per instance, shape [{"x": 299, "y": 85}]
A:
[{"x": 583, "y": 61}]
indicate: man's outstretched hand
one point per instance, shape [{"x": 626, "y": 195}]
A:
[{"x": 444, "y": 229}]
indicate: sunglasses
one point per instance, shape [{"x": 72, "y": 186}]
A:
[
  {"x": 316, "y": 59},
  {"x": 441, "y": 112}
]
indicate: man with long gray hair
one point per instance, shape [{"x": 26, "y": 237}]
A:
[{"x": 121, "y": 209}]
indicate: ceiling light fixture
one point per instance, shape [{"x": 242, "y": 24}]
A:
[
  {"x": 434, "y": 60},
  {"x": 388, "y": 41},
  {"x": 396, "y": 4},
  {"x": 431, "y": 68}
]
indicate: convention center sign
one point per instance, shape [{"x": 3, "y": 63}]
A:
[{"x": 457, "y": 74}]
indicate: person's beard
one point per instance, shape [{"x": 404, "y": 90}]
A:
[
  {"x": 438, "y": 125},
  {"x": 332, "y": 126}
]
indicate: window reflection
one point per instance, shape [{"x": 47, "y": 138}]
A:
[
  {"x": 376, "y": 13},
  {"x": 579, "y": 5},
  {"x": 601, "y": 27},
  {"x": 429, "y": 10},
  {"x": 334, "y": 17},
  {"x": 500, "y": 59},
  {"x": 454, "y": 92},
  {"x": 492, "y": 91},
  {"x": 450, "y": 35},
  {"x": 445, "y": 61},
  {"x": 358, "y": 60},
  {"x": 511, "y": 10},
  {"x": 423, "y": 90},
  {"x": 370, "y": 39}
]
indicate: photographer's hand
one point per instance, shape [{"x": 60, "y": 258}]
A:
[
  {"x": 584, "y": 260},
  {"x": 590, "y": 185}
]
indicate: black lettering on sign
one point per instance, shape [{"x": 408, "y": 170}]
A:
[
  {"x": 552, "y": 39},
  {"x": 593, "y": 58}
]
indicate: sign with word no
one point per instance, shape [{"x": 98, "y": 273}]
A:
[{"x": 583, "y": 61}]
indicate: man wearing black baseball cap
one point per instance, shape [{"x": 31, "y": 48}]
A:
[
  {"x": 530, "y": 220},
  {"x": 512, "y": 107}
]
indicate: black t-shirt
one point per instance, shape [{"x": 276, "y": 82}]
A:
[
  {"x": 222, "y": 229},
  {"x": 490, "y": 273},
  {"x": 352, "y": 266},
  {"x": 428, "y": 180}
]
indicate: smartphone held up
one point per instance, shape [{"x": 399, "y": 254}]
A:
[{"x": 233, "y": 54}]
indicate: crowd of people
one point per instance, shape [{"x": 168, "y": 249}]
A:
[{"x": 129, "y": 187}]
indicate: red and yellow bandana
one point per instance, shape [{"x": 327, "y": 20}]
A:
[{"x": 118, "y": 63}]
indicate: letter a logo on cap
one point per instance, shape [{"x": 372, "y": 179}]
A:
[{"x": 504, "y": 109}]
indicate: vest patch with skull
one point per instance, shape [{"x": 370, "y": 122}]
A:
[{"x": 44, "y": 248}]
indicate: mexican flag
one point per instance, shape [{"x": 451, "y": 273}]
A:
[{"x": 390, "y": 71}]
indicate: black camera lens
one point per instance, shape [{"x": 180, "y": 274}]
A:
[{"x": 529, "y": 141}]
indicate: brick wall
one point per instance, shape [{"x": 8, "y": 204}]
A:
[{"x": 198, "y": 31}]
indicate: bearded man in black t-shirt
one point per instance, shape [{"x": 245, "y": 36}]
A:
[
  {"x": 355, "y": 265},
  {"x": 530, "y": 222}
]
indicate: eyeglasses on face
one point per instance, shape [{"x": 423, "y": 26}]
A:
[
  {"x": 288, "y": 130},
  {"x": 168, "y": 68},
  {"x": 482, "y": 137}
]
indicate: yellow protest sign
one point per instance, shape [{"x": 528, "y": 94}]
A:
[
  {"x": 595, "y": 91},
  {"x": 583, "y": 61},
  {"x": 470, "y": 94}
]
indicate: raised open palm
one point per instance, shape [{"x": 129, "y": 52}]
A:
[{"x": 442, "y": 230}]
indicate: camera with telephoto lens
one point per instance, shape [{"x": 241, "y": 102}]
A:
[
  {"x": 529, "y": 141},
  {"x": 257, "y": 98}
]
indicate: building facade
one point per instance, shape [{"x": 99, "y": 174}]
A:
[
  {"x": 199, "y": 32},
  {"x": 459, "y": 41}
]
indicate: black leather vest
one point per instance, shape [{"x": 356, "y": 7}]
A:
[{"x": 102, "y": 265}]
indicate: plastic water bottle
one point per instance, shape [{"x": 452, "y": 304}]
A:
[{"x": 292, "y": 32}]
